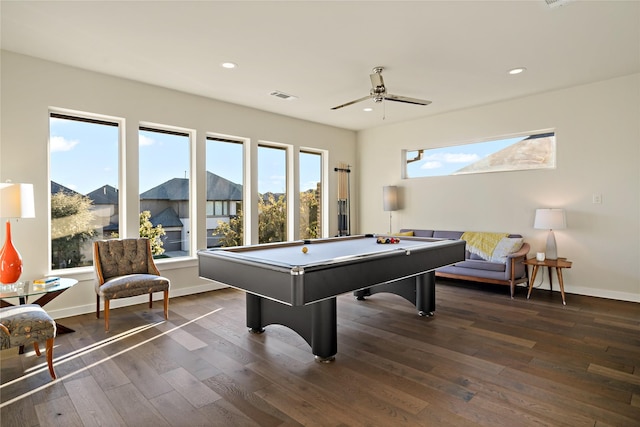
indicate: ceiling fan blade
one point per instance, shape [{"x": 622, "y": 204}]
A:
[
  {"x": 406, "y": 99},
  {"x": 352, "y": 102}
]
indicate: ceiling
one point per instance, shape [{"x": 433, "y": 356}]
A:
[{"x": 454, "y": 53}]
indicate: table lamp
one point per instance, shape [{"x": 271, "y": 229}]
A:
[
  {"x": 390, "y": 200},
  {"x": 550, "y": 219},
  {"x": 16, "y": 201}
]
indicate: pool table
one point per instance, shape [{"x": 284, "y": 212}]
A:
[{"x": 295, "y": 284}]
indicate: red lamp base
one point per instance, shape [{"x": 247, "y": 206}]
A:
[{"x": 10, "y": 260}]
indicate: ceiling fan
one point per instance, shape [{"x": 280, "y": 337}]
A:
[{"x": 379, "y": 92}]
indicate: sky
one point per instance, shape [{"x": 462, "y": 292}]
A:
[
  {"x": 447, "y": 160},
  {"x": 84, "y": 157}
]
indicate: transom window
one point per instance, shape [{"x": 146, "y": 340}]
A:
[{"x": 524, "y": 152}]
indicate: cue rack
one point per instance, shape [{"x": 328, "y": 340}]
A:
[{"x": 344, "y": 200}]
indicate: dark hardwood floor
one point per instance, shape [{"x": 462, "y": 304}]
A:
[{"x": 483, "y": 359}]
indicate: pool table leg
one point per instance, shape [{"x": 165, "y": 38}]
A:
[
  {"x": 426, "y": 293},
  {"x": 419, "y": 290},
  {"x": 316, "y": 323}
]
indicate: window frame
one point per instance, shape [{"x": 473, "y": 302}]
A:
[
  {"x": 190, "y": 134},
  {"x": 422, "y": 154},
  {"x": 95, "y": 118}
]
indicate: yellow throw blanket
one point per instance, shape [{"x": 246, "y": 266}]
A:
[{"x": 481, "y": 243}]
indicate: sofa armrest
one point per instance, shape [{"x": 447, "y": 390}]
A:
[
  {"x": 522, "y": 252},
  {"x": 515, "y": 267}
]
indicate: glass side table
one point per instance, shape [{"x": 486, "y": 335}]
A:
[{"x": 26, "y": 291}]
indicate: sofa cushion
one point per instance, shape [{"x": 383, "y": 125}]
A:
[
  {"x": 481, "y": 265},
  {"x": 405, "y": 233},
  {"x": 419, "y": 233},
  {"x": 453, "y": 235},
  {"x": 505, "y": 247}
]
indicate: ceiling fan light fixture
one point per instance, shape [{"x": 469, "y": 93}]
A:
[
  {"x": 518, "y": 70},
  {"x": 229, "y": 65},
  {"x": 367, "y": 109}
]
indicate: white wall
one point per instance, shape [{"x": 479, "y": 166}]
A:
[
  {"x": 598, "y": 152},
  {"x": 31, "y": 86}
]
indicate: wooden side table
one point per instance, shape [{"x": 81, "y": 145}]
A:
[{"x": 558, "y": 264}]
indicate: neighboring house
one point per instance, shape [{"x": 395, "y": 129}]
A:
[
  {"x": 169, "y": 207},
  {"x": 105, "y": 208},
  {"x": 59, "y": 188}
]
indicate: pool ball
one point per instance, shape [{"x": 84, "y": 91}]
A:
[{"x": 304, "y": 250}]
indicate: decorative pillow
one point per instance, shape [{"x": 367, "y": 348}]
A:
[
  {"x": 506, "y": 246},
  {"x": 404, "y": 233}
]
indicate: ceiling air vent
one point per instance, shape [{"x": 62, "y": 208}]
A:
[
  {"x": 556, "y": 3},
  {"x": 283, "y": 95}
]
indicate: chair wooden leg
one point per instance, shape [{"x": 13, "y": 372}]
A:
[
  {"x": 106, "y": 315},
  {"x": 36, "y": 348},
  {"x": 166, "y": 305},
  {"x": 150, "y": 300},
  {"x": 97, "y": 306},
  {"x": 50, "y": 358}
]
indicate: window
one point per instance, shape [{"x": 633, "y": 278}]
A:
[
  {"x": 272, "y": 194},
  {"x": 83, "y": 175},
  {"x": 225, "y": 171},
  {"x": 310, "y": 168},
  {"x": 165, "y": 192},
  {"x": 530, "y": 151}
]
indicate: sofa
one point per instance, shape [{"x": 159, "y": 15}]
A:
[{"x": 496, "y": 258}]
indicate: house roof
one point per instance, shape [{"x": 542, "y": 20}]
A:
[
  {"x": 57, "y": 188},
  {"x": 166, "y": 218},
  {"x": 105, "y": 195},
  {"x": 218, "y": 188}
]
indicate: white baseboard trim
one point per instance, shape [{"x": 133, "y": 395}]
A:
[
  {"x": 590, "y": 292},
  {"x": 142, "y": 299},
  {"x": 601, "y": 293}
]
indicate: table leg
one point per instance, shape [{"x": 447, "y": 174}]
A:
[
  {"x": 426, "y": 293},
  {"x": 317, "y": 323},
  {"x": 419, "y": 290},
  {"x": 561, "y": 281},
  {"x": 532, "y": 279},
  {"x": 550, "y": 279}
]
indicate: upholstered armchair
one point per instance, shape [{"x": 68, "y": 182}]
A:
[
  {"x": 125, "y": 268},
  {"x": 22, "y": 325}
]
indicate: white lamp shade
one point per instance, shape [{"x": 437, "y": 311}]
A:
[
  {"x": 16, "y": 200},
  {"x": 390, "y": 198},
  {"x": 550, "y": 219}
]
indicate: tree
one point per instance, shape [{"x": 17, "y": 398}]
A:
[
  {"x": 230, "y": 232},
  {"x": 309, "y": 225},
  {"x": 272, "y": 220},
  {"x": 272, "y": 215},
  {"x": 72, "y": 224},
  {"x": 154, "y": 234}
]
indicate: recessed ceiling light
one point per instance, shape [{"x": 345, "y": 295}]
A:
[
  {"x": 367, "y": 109},
  {"x": 518, "y": 70},
  {"x": 229, "y": 65}
]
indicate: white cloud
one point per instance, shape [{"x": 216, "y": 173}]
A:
[
  {"x": 145, "y": 140},
  {"x": 431, "y": 165},
  {"x": 59, "y": 143},
  {"x": 453, "y": 157}
]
